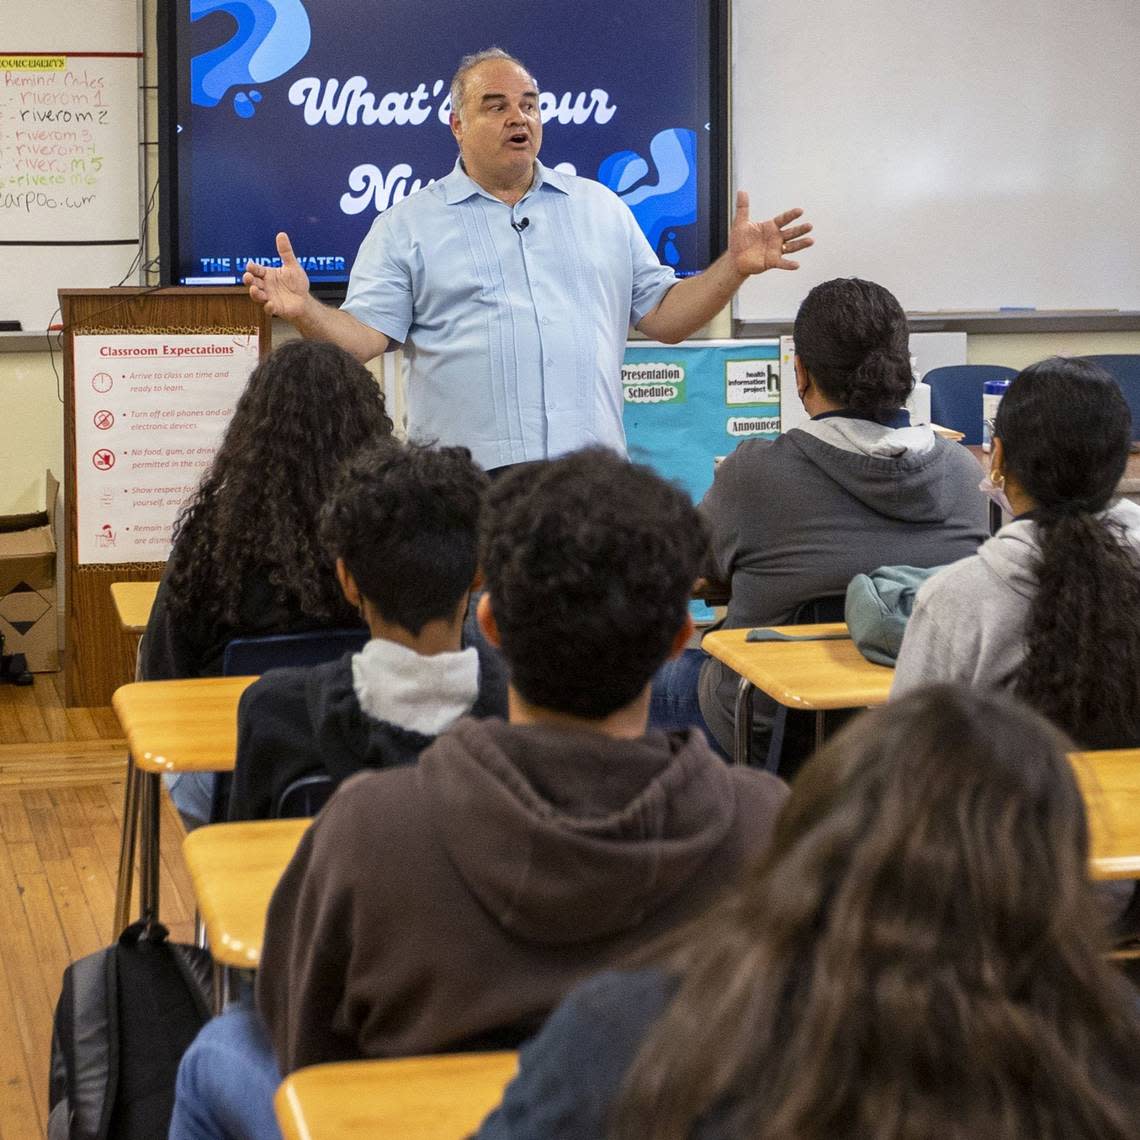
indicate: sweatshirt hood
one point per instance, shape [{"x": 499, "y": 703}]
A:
[
  {"x": 349, "y": 739},
  {"x": 346, "y": 738},
  {"x": 900, "y": 473},
  {"x": 567, "y": 836},
  {"x": 1012, "y": 553}
]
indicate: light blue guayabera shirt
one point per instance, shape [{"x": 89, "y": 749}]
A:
[{"x": 514, "y": 340}]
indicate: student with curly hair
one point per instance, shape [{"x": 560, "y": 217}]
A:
[
  {"x": 1050, "y": 606},
  {"x": 451, "y": 904},
  {"x": 247, "y": 557},
  {"x": 402, "y": 524},
  {"x": 888, "y": 970},
  {"x": 855, "y": 487}
]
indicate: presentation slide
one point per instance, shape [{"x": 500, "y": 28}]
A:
[{"x": 313, "y": 116}]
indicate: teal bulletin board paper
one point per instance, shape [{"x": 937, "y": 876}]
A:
[{"x": 686, "y": 405}]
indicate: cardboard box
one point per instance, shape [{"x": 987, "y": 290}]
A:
[{"x": 28, "y": 586}]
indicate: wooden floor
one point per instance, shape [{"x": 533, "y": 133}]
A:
[{"x": 61, "y": 805}]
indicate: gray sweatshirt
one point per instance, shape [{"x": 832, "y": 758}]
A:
[
  {"x": 969, "y": 620},
  {"x": 799, "y": 516}
]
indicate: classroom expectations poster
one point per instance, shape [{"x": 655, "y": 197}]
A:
[{"x": 150, "y": 411}]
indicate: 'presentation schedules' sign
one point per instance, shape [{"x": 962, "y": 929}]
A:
[
  {"x": 150, "y": 411},
  {"x": 688, "y": 404}
]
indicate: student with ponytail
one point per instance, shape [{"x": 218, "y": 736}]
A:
[
  {"x": 887, "y": 971},
  {"x": 856, "y": 487},
  {"x": 1050, "y": 606}
]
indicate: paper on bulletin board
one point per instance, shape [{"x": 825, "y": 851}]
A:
[
  {"x": 686, "y": 405},
  {"x": 150, "y": 412}
]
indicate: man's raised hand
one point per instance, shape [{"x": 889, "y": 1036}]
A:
[
  {"x": 285, "y": 291},
  {"x": 757, "y": 246}
]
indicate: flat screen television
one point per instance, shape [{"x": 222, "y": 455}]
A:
[{"x": 312, "y": 116}]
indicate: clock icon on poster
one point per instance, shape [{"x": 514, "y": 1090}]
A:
[{"x": 102, "y": 382}]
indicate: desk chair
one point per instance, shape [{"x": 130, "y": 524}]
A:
[
  {"x": 171, "y": 726},
  {"x": 304, "y": 797},
  {"x": 796, "y": 727},
  {"x": 235, "y": 868},
  {"x": 256, "y": 655},
  {"x": 1125, "y": 370},
  {"x": 956, "y": 395},
  {"x": 414, "y": 1098}
]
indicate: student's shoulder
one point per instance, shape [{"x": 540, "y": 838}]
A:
[
  {"x": 756, "y": 788},
  {"x": 753, "y": 461},
  {"x": 375, "y": 802},
  {"x": 291, "y": 685}
]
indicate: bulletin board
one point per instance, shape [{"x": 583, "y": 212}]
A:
[{"x": 687, "y": 404}]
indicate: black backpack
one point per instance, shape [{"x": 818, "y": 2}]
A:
[{"x": 125, "y": 1016}]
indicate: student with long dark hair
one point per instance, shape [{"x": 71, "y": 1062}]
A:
[
  {"x": 916, "y": 956},
  {"x": 1050, "y": 606},
  {"x": 855, "y": 487},
  {"x": 247, "y": 557}
]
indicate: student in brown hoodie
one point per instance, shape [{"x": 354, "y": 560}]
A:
[{"x": 451, "y": 904}]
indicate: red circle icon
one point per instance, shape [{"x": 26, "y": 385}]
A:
[
  {"x": 102, "y": 382},
  {"x": 104, "y": 419},
  {"x": 104, "y": 460}
]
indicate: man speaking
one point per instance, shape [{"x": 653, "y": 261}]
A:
[{"x": 513, "y": 286}]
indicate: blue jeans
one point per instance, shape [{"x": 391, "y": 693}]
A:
[
  {"x": 226, "y": 1082},
  {"x": 192, "y": 793},
  {"x": 673, "y": 699}
]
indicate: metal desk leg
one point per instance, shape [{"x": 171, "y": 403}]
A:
[
  {"x": 820, "y": 728},
  {"x": 742, "y": 749},
  {"x": 149, "y": 855},
  {"x": 218, "y": 988},
  {"x": 128, "y": 844}
]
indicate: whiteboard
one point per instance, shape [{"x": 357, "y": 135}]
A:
[
  {"x": 69, "y": 151},
  {"x": 967, "y": 155}
]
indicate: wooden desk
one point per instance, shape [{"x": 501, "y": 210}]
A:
[
  {"x": 133, "y": 602},
  {"x": 414, "y": 1098},
  {"x": 170, "y": 726},
  {"x": 1110, "y": 784},
  {"x": 811, "y": 675},
  {"x": 235, "y": 868}
]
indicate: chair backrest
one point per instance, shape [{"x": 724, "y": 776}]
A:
[
  {"x": 252, "y": 656},
  {"x": 956, "y": 395},
  {"x": 793, "y": 730},
  {"x": 304, "y": 797},
  {"x": 827, "y": 607},
  {"x": 246, "y": 656},
  {"x": 415, "y": 1098},
  {"x": 1125, "y": 369}
]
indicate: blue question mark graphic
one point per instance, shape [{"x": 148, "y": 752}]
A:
[
  {"x": 669, "y": 202},
  {"x": 271, "y": 37}
]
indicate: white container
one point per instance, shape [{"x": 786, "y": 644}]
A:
[{"x": 992, "y": 392}]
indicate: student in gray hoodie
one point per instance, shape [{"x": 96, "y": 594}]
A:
[
  {"x": 856, "y": 487},
  {"x": 1050, "y": 606}
]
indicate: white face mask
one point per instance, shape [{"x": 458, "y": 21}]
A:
[{"x": 996, "y": 492}]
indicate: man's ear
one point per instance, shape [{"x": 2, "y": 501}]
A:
[
  {"x": 485, "y": 616},
  {"x": 348, "y": 584},
  {"x": 682, "y": 636},
  {"x": 456, "y": 124}
]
